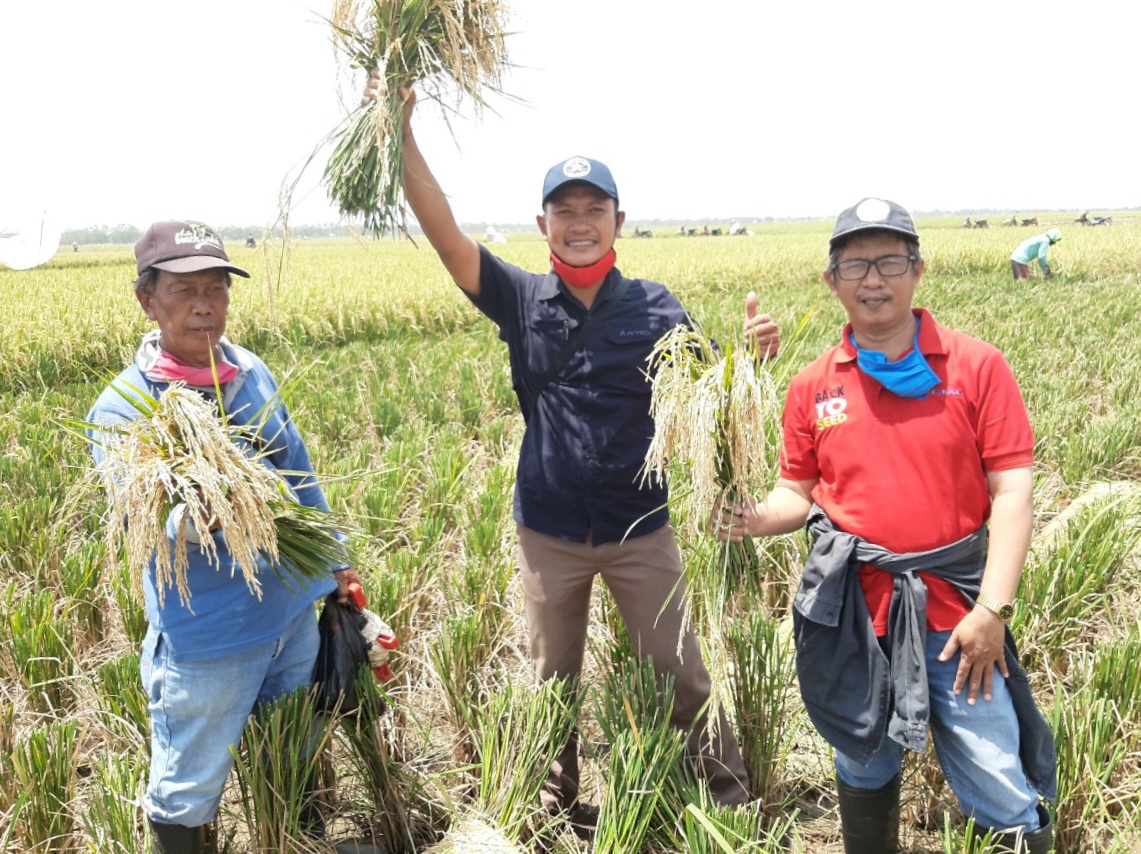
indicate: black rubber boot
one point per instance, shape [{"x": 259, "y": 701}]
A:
[
  {"x": 177, "y": 839},
  {"x": 869, "y": 818},
  {"x": 1040, "y": 841}
]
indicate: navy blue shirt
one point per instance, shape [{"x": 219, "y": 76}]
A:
[{"x": 585, "y": 444}]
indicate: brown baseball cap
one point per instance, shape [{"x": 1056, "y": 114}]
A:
[{"x": 182, "y": 246}]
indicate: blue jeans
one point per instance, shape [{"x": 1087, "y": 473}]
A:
[
  {"x": 977, "y": 748},
  {"x": 199, "y": 708}
]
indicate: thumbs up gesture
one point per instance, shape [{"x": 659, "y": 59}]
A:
[{"x": 761, "y": 332}]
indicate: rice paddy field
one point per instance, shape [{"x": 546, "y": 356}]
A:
[{"x": 407, "y": 407}]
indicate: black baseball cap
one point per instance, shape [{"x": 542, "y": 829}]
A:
[{"x": 872, "y": 213}]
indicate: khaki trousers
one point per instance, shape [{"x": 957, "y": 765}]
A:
[{"x": 644, "y": 575}]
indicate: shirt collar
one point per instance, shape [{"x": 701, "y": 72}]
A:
[
  {"x": 551, "y": 287},
  {"x": 930, "y": 338}
]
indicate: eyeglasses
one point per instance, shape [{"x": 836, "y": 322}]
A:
[{"x": 889, "y": 266}]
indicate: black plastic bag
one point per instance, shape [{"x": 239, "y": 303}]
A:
[{"x": 341, "y": 659}]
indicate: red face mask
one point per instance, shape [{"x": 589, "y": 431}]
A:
[{"x": 584, "y": 277}]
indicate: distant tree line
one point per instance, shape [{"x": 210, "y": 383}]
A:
[{"x": 128, "y": 234}]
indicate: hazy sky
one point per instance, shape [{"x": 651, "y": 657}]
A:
[{"x": 128, "y": 111}]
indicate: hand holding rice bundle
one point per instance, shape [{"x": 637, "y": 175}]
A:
[
  {"x": 442, "y": 45},
  {"x": 180, "y": 460},
  {"x": 211, "y": 490},
  {"x": 713, "y": 413}
]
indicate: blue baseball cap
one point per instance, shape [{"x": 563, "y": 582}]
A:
[{"x": 579, "y": 170}]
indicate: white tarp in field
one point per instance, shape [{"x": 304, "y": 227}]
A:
[{"x": 30, "y": 241}]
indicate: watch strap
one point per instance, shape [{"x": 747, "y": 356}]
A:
[{"x": 1003, "y": 610}]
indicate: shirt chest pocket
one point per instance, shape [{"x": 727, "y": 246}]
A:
[{"x": 619, "y": 357}]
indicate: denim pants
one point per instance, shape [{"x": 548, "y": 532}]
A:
[
  {"x": 199, "y": 708},
  {"x": 977, "y": 748}
]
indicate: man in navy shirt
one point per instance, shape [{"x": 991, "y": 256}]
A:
[{"x": 578, "y": 507}]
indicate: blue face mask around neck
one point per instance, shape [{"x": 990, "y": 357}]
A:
[{"x": 911, "y": 376}]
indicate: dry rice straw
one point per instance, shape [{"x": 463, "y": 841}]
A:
[
  {"x": 180, "y": 452},
  {"x": 441, "y": 46}
]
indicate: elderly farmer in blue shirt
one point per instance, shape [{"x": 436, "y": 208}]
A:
[
  {"x": 578, "y": 508},
  {"x": 1033, "y": 248},
  {"x": 205, "y": 670}
]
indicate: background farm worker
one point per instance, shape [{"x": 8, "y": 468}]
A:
[
  {"x": 206, "y": 670},
  {"x": 903, "y": 444},
  {"x": 578, "y": 509},
  {"x": 1033, "y": 248}
]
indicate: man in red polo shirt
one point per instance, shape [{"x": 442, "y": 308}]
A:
[{"x": 908, "y": 453}]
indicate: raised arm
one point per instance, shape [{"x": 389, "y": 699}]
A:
[{"x": 429, "y": 204}]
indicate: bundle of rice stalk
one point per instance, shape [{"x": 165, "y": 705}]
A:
[
  {"x": 445, "y": 47},
  {"x": 714, "y": 413},
  {"x": 179, "y": 452}
]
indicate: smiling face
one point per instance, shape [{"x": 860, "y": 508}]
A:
[
  {"x": 190, "y": 310},
  {"x": 878, "y": 306},
  {"x": 580, "y": 224}
]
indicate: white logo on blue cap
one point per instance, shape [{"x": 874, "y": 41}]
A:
[
  {"x": 576, "y": 167},
  {"x": 873, "y": 210}
]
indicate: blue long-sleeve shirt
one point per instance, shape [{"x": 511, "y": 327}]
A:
[
  {"x": 1033, "y": 248},
  {"x": 226, "y": 617}
]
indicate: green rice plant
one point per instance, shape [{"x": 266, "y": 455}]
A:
[
  {"x": 44, "y": 764},
  {"x": 29, "y": 537},
  {"x": 40, "y": 646},
  {"x": 179, "y": 452},
  {"x": 1094, "y": 778},
  {"x": 129, "y": 600},
  {"x": 446, "y": 479},
  {"x": 764, "y": 672},
  {"x": 645, "y": 769},
  {"x": 432, "y": 42},
  {"x": 278, "y": 766},
  {"x": 517, "y": 732},
  {"x": 402, "y": 813},
  {"x": 111, "y": 812},
  {"x": 80, "y": 577},
  {"x": 1115, "y": 673},
  {"x": 708, "y": 828},
  {"x": 123, "y": 701},
  {"x": 968, "y": 839},
  {"x": 484, "y": 529},
  {"x": 9, "y": 790},
  {"x": 385, "y": 495},
  {"x": 641, "y": 763},
  {"x": 615, "y": 650},
  {"x": 1073, "y": 580},
  {"x": 462, "y": 648},
  {"x": 400, "y": 590}
]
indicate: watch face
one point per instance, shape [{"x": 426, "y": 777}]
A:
[{"x": 1006, "y": 612}]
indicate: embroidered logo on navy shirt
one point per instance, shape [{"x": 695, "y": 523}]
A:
[{"x": 634, "y": 333}]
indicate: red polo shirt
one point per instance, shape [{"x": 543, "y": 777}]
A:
[{"x": 908, "y": 474}]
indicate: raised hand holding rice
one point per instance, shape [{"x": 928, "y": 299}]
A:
[{"x": 450, "y": 48}]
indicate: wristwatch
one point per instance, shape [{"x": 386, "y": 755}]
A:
[{"x": 1004, "y": 611}]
